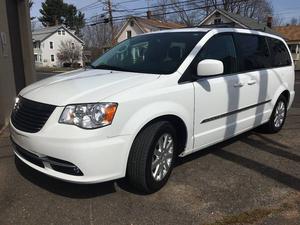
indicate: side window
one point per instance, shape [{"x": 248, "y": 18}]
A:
[
  {"x": 51, "y": 45},
  {"x": 280, "y": 54},
  {"x": 253, "y": 52},
  {"x": 220, "y": 47}
]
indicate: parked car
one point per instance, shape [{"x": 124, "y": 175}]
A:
[{"x": 151, "y": 99}]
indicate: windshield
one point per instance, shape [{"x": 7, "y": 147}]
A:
[{"x": 160, "y": 53}]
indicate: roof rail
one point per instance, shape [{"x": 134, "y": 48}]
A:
[{"x": 220, "y": 25}]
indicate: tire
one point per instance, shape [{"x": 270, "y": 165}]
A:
[
  {"x": 276, "y": 121},
  {"x": 145, "y": 152}
]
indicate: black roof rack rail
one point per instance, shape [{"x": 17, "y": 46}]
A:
[
  {"x": 220, "y": 25},
  {"x": 228, "y": 25}
]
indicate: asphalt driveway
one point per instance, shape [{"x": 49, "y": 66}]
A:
[{"x": 251, "y": 179}]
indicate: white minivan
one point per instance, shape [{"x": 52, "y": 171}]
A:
[{"x": 150, "y": 99}]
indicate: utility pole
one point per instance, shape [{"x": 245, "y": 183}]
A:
[{"x": 109, "y": 4}]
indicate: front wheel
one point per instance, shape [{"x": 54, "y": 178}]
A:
[
  {"x": 278, "y": 116},
  {"x": 152, "y": 155}
]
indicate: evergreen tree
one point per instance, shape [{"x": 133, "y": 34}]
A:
[
  {"x": 55, "y": 12},
  {"x": 73, "y": 18},
  {"x": 52, "y": 12}
]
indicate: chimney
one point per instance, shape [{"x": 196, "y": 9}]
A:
[
  {"x": 269, "y": 21},
  {"x": 149, "y": 14}
]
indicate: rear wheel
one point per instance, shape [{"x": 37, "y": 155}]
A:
[
  {"x": 152, "y": 155},
  {"x": 278, "y": 116}
]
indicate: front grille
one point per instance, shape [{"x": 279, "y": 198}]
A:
[{"x": 30, "y": 116}]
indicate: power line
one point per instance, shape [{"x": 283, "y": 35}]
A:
[
  {"x": 129, "y": 1},
  {"x": 180, "y": 4},
  {"x": 167, "y": 13},
  {"x": 154, "y": 6},
  {"x": 89, "y": 5}
]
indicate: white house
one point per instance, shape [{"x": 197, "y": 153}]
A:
[
  {"x": 291, "y": 33},
  {"x": 47, "y": 41},
  {"x": 221, "y": 17},
  {"x": 139, "y": 25}
]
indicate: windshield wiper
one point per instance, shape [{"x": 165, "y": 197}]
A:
[{"x": 108, "y": 67}]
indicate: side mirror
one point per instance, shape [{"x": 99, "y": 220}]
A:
[{"x": 210, "y": 67}]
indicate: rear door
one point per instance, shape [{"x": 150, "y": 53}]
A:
[{"x": 256, "y": 63}]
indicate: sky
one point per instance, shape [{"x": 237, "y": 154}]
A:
[{"x": 286, "y": 9}]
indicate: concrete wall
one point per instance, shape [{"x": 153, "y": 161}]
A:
[
  {"x": 7, "y": 82},
  {"x": 16, "y": 54}
]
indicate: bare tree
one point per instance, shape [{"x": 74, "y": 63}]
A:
[
  {"x": 294, "y": 21},
  {"x": 160, "y": 12},
  {"x": 69, "y": 52},
  {"x": 98, "y": 34},
  {"x": 277, "y": 21},
  {"x": 192, "y": 12}
]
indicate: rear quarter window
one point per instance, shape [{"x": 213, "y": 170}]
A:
[{"x": 279, "y": 52}]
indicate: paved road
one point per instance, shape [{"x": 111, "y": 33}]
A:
[{"x": 253, "y": 178}]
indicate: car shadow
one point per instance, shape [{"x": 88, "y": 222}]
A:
[{"x": 265, "y": 170}]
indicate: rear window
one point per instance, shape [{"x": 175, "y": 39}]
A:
[
  {"x": 253, "y": 52},
  {"x": 280, "y": 54}
]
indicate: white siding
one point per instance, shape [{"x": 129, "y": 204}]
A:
[
  {"x": 56, "y": 39},
  {"x": 224, "y": 19},
  {"x": 135, "y": 30}
]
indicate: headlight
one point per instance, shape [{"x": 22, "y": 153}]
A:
[{"x": 89, "y": 116}]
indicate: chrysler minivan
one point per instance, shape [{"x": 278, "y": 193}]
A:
[{"x": 150, "y": 99}]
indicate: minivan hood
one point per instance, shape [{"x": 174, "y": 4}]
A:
[{"x": 84, "y": 86}]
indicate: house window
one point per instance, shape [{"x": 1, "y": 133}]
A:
[
  {"x": 73, "y": 46},
  {"x": 129, "y": 34},
  {"x": 217, "y": 21},
  {"x": 35, "y": 57},
  {"x": 51, "y": 45},
  {"x": 36, "y": 44},
  {"x": 63, "y": 32},
  {"x": 52, "y": 58},
  {"x": 59, "y": 32},
  {"x": 293, "y": 48}
]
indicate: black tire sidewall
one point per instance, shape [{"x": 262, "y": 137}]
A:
[{"x": 152, "y": 184}]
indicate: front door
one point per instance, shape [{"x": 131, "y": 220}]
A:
[{"x": 222, "y": 101}]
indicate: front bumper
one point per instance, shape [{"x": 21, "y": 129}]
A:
[{"x": 99, "y": 157}]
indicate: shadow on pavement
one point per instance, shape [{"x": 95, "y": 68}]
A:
[
  {"x": 262, "y": 146},
  {"x": 281, "y": 177},
  {"x": 273, "y": 173}
]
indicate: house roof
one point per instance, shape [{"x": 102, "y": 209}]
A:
[
  {"x": 143, "y": 23},
  {"x": 244, "y": 22},
  {"x": 44, "y": 33},
  {"x": 158, "y": 23},
  {"x": 291, "y": 32}
]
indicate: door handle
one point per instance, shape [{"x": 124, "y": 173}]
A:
[
  {"x": 251, "y": 82},
  {"x": 239, "y": 84}
]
